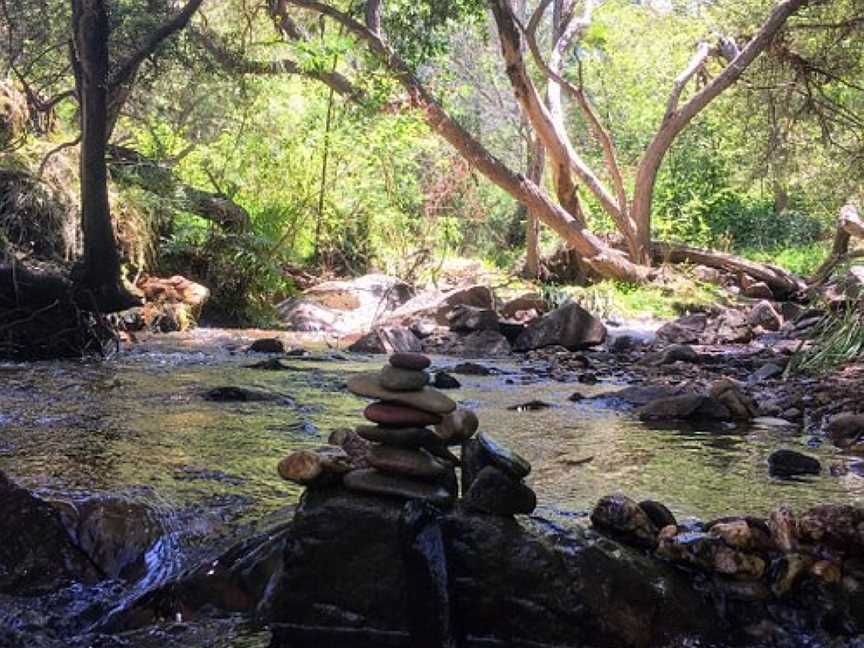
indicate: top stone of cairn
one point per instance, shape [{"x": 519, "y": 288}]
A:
[{"x": 414, "y": 361}]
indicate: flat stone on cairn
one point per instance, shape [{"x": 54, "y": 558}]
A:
[{"x": 402, "y": 457}]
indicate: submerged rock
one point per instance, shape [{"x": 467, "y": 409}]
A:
[
  {"x": 36, "y": 553},
  {"x": 443, "y": 380},
  {"x": 685, "y": 407},
  {"x": 789, "y": 463},
  {"x": 267, "y": 345}
]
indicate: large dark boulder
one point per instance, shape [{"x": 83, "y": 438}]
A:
[
  {"x": 570, "y": 326},
  {"x": 36, "y": 553}
]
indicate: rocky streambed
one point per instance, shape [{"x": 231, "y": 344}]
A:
[{"x": 136, "y": 439}]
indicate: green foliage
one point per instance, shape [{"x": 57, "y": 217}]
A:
[
  {"x": 838, "y": 339},
  {"x": 419, "y": 30},
  {"x": 801, "y": 259}
]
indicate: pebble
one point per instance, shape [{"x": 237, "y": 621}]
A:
[
  {"x": 372, "y": 481},
  {"x": 411, "y": 361},
  {"x": 458, "y": 426},
  {"x": 399, "y": 416},
  {"x": 443, "y": 380},
  {"x": 396, "y": 379},
  {"x": 504, "y": 458},
  {"x": 405, "y": 461},
  {"x": 426, "y": 399}
]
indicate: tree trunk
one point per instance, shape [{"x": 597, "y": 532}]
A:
[
  {"x": 848, "y": 225},
  {"x": 100, "y": 275},
  {"x": 536, "y": 162}
]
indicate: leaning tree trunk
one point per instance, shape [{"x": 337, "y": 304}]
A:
[
  {"x": 100, "y": 275},
  {"x": 536, "y": 162}
]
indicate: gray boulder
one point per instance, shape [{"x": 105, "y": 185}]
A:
[{"x": 570, "y": 326}]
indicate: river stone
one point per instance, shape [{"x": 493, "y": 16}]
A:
[
  {"x": 837, "y": 525},
  {"x": 36, "y": 553},
  {"x": 352, "y": 443},
  {"x": 497, "y": 493},
  {"x": 505, "y": 459},
  {"x": 624, "y": 518},
  {"x": 402, "y": 379},
  {"x": 570, "y": 326},
  {"x": 404, "y": 461},
  {"x": 846, "y": 429},
  {"x": 426, "y": 399},
  {"x": 412, "y": 361},
  {"x": 458, "y": 426},
  {"x": 786, "y": 571},
  {"x": 267, "y": 345},
  {"x": 407, "y": 437},
  {"x": 788, "y": 463},
  {"x": 399, "y": 416},
  {"x": 370, "y": 480},
  {"x": 443, "y": 380},
  {"x": 307, "y": 467},
  {"x": 685, "y": 406},
  {"x": 658, "y": 513}
]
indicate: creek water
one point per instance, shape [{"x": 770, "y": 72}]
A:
[{"x": 137, "y": 426}]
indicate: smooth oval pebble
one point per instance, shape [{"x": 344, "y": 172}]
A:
[
  {"x": 405, "y": 437},
  {"x": 402, "y": 379},
  {"x": 426, "y": 399},
  {"x": 403, "y": 461},
  {"x": 458, "y": 426},
  {"x": 370, "y": 480},
  {"x": 399, "y": 415},
  {"x": 405, "y": 360}
]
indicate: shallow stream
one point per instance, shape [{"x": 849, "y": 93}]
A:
[{"x": 138, "y": 426}]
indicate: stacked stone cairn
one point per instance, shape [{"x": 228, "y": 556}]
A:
[{"x": 405, "y": 449}]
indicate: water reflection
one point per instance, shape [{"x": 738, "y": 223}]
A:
[{"x": 141, "y": 421}]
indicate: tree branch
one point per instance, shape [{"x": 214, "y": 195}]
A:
[
  {"x": 373, "y": 16},
  {"x": 703, "y": 51},
  {"x": 128, "y": 68},
  {"x": 552, "y": 71},
  {"x": 597, "y": 255}
]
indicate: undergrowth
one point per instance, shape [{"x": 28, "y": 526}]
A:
[{"x": 838, "y": 339}]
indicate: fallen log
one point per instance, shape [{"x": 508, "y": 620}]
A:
[
  {"x": 781, "y": 282},
  {"x": 133, "y": 168},
  {"x": 849, "y": 225}
]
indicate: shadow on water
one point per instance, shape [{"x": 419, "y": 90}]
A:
[{"x": 138, "y": 426}]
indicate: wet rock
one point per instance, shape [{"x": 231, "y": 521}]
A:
[
  {"x": 443, "y": 380},
  {"x": 845, "y": 430},
  {"x": 229, "y": 394},
  {"x": 765, "y": 315},
  {"x": 471, "y": 369},
  {"x": 789, "y": 463},
  {"x": 625, "y": 519},
  {"x": 836, "y": 525},
  {"x": 684, "y": 330},
  {"x": 426, "y": 399},
  {"x": 387, "y": 339},
  {"x": 530, "y": 406},
  {"x": 36, "y": 552},
  {"x": 748, "y": 534},
  {"x": 497, "y": 493},
  {"x": 827, "y": 571},
  {"x": 412, "y": 437},
  {"x": 684, "y": 407},
  {"x": 657, "y": 512},
  {"x": 758, "y": 290},
  {"x": 570, "y": 326},
  {"x": 352, "y": 443},
  {"x": 507, "y": 460},
  {"x": 116, "y": 534},
  {"x": 304, "y": 315},
  {"x": 399, "y": 416},
  {"x": 321, "y": 466},
  {"x": 556, "y": 586},
  {"x": 372, "y": 481},
  {"x": 783, "y": 528},
  {"x": 405, "y": 461},
  {"x": 709, "y": 552},
  {"x": 727, "y": 392},
  {"x": 643, "y": 394},
  {"x": 485, "y": 343},
  {"x": 672, "y": 353},
  {"x": 412, "y": 361},
  {"x": 270, "y": 364},
  {"x": 470, "y": 318},
  {"x": 396, "y": 379},
  {"x": 786, "y": 572},
  {"x": 622, "y": 344},
  {"x": 458, "y": 426},
  {"x": 267, "y": 345}
]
